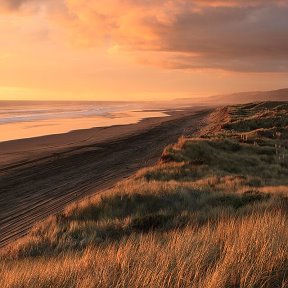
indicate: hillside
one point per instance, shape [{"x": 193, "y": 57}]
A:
[
  {"x": 247, "y": 97},
  {"x": 211, "y": 213},
  {"x": 240, "y": 98}
]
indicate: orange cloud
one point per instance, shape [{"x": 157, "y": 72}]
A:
[{"x": 235, "y": 35}]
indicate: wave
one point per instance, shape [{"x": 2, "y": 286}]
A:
[{"x": 15, "y": 112}]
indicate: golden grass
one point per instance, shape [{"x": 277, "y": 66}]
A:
[
  {"x": 247, "y": 252},
  {"x": 213, "y": 213}
]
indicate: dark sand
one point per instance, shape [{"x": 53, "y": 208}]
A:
[{"x": 40, "y": 176}]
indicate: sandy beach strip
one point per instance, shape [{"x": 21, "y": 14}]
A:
[{"x": 40, "y": 176}]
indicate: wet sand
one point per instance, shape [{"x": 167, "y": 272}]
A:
[
  {"x": 29, "y": 129},
  {"x": 40, "y": 176}
]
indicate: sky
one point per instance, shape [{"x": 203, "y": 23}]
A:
[{"x": 141, "y": 49}]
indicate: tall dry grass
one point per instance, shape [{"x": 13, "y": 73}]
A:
[{"x": 247, "y": 252}]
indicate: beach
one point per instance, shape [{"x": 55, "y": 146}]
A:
[
  {"x": 22, "y": 120},
  {"x": 39, "y": 176}
]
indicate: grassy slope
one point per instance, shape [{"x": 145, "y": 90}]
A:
[{"x": 213, "y": 213}]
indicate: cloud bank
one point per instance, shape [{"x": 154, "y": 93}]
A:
[{"x": 236, "y": 35}]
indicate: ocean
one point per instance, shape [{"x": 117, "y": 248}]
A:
[{"x": 26, "y": 119}]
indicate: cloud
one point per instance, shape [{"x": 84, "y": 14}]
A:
[
  {"x": 30, "y": 6},
  {"x": 236, "y": 35},
  {"x": 230, "y": 38},
  {"x": 231, "y": 35},
  {"x": 13, "y": 4}
]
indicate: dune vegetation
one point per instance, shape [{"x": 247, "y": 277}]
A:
[{"x": 211, "y": 213}]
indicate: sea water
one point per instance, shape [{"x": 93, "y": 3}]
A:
[{"x": 26, "y": 119}]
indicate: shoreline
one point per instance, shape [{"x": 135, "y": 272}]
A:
[
  {"x": 40, "y": 176},
  {"x": 18, "y": 150},
  {"x": 13, "y": 131}
]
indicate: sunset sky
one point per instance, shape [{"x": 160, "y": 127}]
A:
[{"x": 140, "y": 49}]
